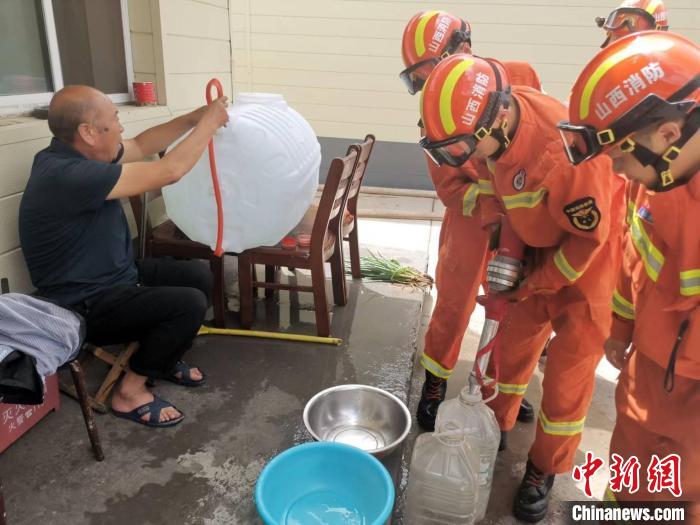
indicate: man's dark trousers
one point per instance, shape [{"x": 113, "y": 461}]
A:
[{"x": 163, "y": 313}]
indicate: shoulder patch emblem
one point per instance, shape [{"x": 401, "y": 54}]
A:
[
  {"x": 583, "y": 214},
  {"x": 519, "y": 180}
]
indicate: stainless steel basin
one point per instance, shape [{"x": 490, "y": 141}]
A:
[{"x": 363, "y": 416}]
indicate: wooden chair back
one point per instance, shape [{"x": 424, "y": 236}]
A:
[
  {"x": 333, "y": 201},
  {"x": 364, "y": 152}
]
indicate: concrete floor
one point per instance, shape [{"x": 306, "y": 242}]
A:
[{"x": 204, "y": 470}]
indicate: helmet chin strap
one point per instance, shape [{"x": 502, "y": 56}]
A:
[
  {"x": 500, "y": 134},
  {"x": 662, "y": 163},
  {"x": 503, "y": 141},
  {"x": 504, "y": 102}
]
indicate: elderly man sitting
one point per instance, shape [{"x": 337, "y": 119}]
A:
[{"x": 78, "y": 248}]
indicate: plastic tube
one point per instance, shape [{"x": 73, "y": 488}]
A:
[{"x": 219, "y": 251}]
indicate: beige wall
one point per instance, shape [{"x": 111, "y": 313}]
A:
[
  {"x": 337, "y": 61},
  {"x": 196, "y": 48},
  {"x": 180, "y": 45},
  {"x": 147, "y": 44}
]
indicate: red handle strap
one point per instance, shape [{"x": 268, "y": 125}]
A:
[
  {"x": 512, "y": 246},
  {"x": 492, "y": 347},
  {"x": 495, "y": 307},
  {"x": 219, "y": 251}
]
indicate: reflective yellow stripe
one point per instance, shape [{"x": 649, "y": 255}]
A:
[
  {"x": 517, "y": 390},
  {"x": 561, "y": 428},
  {"x": 639, "y": 46},
  {"x": 690, "y": 282},
  {"x": 651, "y": 256},
  {"x": 622, "y": 306},
  {"x": 482, "y": 187},
  {"x": 434, "y": 367},
  {"x": 652, "y": 6},
  {"x": 469, "y": 200},
  {"x": 420, "y": 32},
  {"x": 527, "y": 199},
  {"x": 565, "y": 268},
  {"x": 485, "y": 187},
  {"x": 448, "y": 88}
]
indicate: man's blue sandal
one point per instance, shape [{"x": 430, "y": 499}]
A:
[
  {"x": 153, "y": 408},
  {"x": 185, "y": 378}
]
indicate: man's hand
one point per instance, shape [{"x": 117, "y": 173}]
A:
[
  {"x": 195, "y": 116},
  {"x": 616, "y": 352},
  {"x": 159, "y": 138},
  {"x": 138, "y": 177},
  {"x": 215, "y": 115}
]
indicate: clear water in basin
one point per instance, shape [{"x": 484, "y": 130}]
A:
[
  {"x": 357, "y": 436},
  {"x": 324, "y": 508}
]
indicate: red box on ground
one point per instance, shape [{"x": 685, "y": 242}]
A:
[{"x": 15, "y": 420}]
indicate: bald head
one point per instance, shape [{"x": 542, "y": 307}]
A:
[{"x": 70, "y": 107}]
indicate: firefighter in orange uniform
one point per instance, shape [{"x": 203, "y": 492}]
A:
[
  {"x": 569, "y": 216},
  {"x": 638, "y": 102},
  {"x": 427, "y": 38},
  {"x": 633, "y": 16}
]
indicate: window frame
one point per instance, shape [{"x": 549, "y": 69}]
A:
[{"x": 31, "y": 100}]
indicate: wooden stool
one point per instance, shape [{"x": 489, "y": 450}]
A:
[
  {"x": 81, "y": 395},
  {"x": 118, "y": 364}
]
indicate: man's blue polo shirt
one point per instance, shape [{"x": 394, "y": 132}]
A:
[{"x": 76, "y": 243}]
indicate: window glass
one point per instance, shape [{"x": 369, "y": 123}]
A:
[{"x": 24, "y": 58}]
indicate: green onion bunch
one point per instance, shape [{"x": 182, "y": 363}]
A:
[{"x": 379, "y": 268}]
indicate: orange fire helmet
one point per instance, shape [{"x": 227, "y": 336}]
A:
[
  {"x": 460, "y": 103},
  {"x": 633, "y": 16},
  {"x": 429, "y": 37},
  {"x": 635, "y": 82}
]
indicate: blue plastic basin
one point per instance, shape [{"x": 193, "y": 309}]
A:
[{"x": 324, "y": 484}]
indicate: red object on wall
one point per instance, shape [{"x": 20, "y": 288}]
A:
[
  {"x": 15, "y": 420},
  {"x": 145, "y": 94}
]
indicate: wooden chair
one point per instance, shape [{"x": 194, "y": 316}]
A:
[
  {"x": 349, "y": 226},
  {"x": 80, "y": 394},
  {"x": 166, "y": 240},
  {"x": 326, "y": 246}
]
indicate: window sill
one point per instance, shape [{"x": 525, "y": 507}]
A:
[{"x": 21, "y": 129}]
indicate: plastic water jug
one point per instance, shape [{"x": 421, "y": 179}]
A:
[
  {"x": 443, "y": 481},
  {"x": 267, "y": 160},
  {"x": 480, "y": 427}
]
